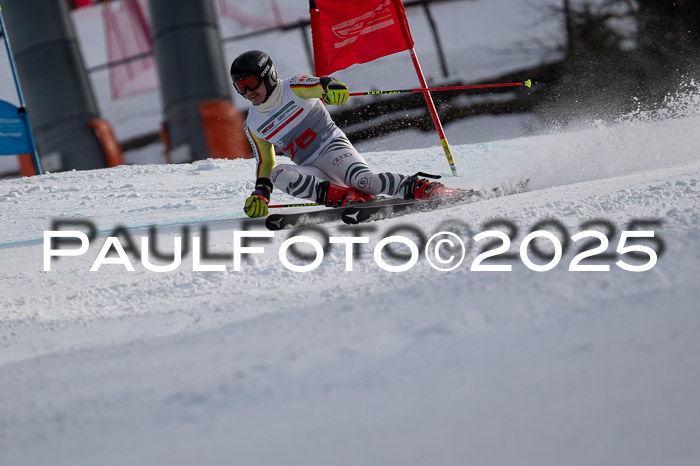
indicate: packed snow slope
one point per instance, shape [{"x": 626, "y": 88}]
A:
[{"x": 269, "y": 366}]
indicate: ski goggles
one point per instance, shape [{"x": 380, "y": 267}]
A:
[{"x": 247, "y": 83}]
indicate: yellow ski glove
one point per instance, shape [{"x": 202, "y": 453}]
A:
[
  {"x": 256, "y": 204},
  {"x": 336, "y": 93}
]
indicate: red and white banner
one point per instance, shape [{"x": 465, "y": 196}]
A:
[
  {"x": 347, "y": 32},
  {"x": 127, "y": 32}
]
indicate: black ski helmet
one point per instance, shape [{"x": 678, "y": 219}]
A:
[{"x": 257, "y": 63}]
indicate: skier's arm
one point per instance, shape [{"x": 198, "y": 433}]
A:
[
  {"x": 264, "y": 153},
  {"x": 326, "y": 88}
]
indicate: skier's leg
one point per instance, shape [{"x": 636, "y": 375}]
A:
[
  {"x": 308, "y": 182},
  {"x": 297, "y": 180},
  {"x": 340, "y": 175},
  {"x": 341, "y": 161}
]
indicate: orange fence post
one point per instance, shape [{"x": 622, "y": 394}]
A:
[
  {"x": 223, "y": 130},
  {"x": 26, "y": 165},
  {"x": 108, "y": 141}
]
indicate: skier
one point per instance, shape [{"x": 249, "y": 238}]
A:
[{"x": 328, "y": 169}]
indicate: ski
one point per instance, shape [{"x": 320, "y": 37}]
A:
[
  {"x": 363, "y": 212},
  {"x": 317, "y": 216},
  {"x": 276, "y": 222},
  {"x": 386, "y": 208},
  {"x": 359, "y": 213}
]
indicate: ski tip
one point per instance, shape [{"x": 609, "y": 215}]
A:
[{"x": 528, "y": 83}]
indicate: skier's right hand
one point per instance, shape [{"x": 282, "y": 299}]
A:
[{"x": 256, "y": 204}]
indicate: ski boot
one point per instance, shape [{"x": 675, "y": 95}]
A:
[
  {"x": 421, "y": 189},
  {"x": 332, "y": 195}
]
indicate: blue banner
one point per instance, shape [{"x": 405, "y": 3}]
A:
[{"x": 14, "y": 131}]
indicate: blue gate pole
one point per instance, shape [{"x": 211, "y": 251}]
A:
[{"x": 22, "y": 110}]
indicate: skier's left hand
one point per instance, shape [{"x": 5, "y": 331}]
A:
[{"x": 336, "y": 93}]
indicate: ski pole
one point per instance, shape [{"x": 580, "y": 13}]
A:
[
  {"x": 284, "y": 206},
  {"x": 527, "y": 83}
]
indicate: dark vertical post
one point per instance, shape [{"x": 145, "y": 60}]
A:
[
  {"x": 436, "y": 38},
  {"x": 59, "y": 98},
  {"x": 569, "y": 25},
  {"x": 307, "y": 46},
  {"x": 190, "y": 67}
]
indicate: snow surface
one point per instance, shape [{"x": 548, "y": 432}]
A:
[{"x": 269, "y": 366}]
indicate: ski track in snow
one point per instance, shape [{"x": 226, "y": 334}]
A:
[{"x": 330, "y": 367}]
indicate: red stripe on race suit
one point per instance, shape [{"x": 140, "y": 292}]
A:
[{"x": 284, "y": 124}]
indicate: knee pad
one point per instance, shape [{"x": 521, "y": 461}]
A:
[{"x": 283, "y": 176}]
